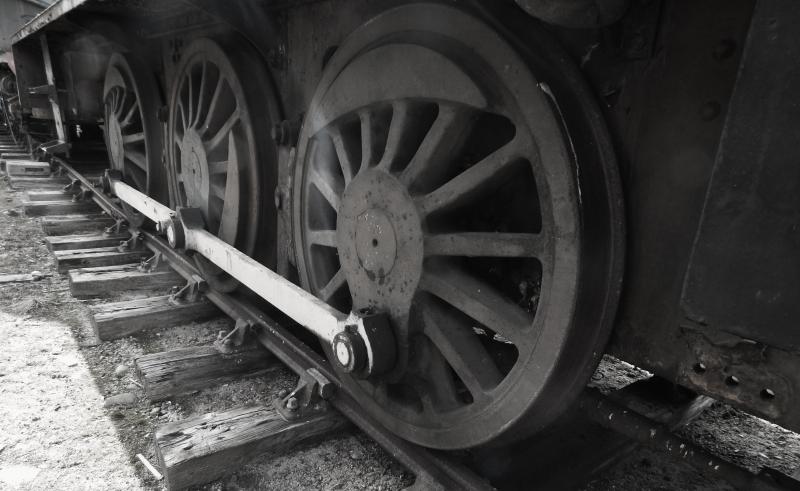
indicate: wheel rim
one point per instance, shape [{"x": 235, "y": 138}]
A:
[
  {"x": 214, "y": 154},
  {"x": 453, "y": 207},
  {"x": 132, "y": 133}
]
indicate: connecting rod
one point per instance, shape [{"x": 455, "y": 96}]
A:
[{"x": 362, "y": 342}]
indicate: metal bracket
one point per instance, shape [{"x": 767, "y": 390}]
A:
[
  {"x": 225, "y": 343},
  {"x": 153, "y": 264},
  {"x": 47, "y": 89},
  {"x": 189, "y": 293},
  {"x": 308, "y": 398},
  {"x": 119, "y": 224},
  {"x": 82, "y": 195},
  {"x": 54, "y": 147},
  {"x": 58, "y": 117},
  {"x": 287, "y": 132},
  {"x": 73, "y": 186},
  {"x": 132, "y": 244}
]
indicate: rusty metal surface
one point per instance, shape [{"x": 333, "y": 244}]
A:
[
  {"x": 667, "y": 174},
  {"x": 749, "y": 237},
  {"x": 747, "y": 374},
  {"x": 51, "y": 13},
  {"x": 667, "y": 104}
]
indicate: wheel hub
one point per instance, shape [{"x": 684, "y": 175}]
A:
[
  {"x": 379, "y": 234},
  {"x": 376, "y": 243},
  {"x": 194, "y": 167}
]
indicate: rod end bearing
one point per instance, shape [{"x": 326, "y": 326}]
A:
[
  {"x": 350, "y": 351},
  {"x": 366, "y": 346},
  {"x": 184, "y": 219}
]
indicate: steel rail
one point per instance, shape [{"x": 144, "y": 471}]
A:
[
  {"x": 433, "y": 469},
  {"x": 625, "y": 421}
]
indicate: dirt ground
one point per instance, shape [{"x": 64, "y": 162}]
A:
[{"x": 55, "y": 432}]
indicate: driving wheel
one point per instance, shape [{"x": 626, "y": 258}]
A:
[
  {"x": 470, "y": 193},
  {"x": 221, "y": 158}
]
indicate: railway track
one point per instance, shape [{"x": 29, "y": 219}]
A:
[
  {"x": 89, "y": 237},
  {"x": 91, "y": 243}
]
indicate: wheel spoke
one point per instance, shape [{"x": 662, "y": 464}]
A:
[
  {"x": 229, "y": 217},
  {"x": 479, "y": 301},
  {"x": 218, "y": 189},
  {"x": 190, "y": 100},
  {"x": 218, "y": 167},
  {"x": 484, "y": 244},
  {"x": 114, "y": 103},
  {"x": 465, "y": 185},
  {"x": 201, "y": 94},
  {"x": 182, "y": 112},
  {"x": 138, "y": 159},
  {"x": 325, "y": 238},
  {"x": 326, "y": 188},
  {"x": 367, "y": 140},
  {"x": 138, "y": 178},
  {"x": 435, "y": 384},
  {"x": 334, "y": 284},
  {"x": 394, "y": 141},
  {"x": 127, "y": 120},
  {"x": 118, "y": 101},
  {"x": 462, "y": 349},
  {"x": 212, "y": 105},
  {"x": 346, "y": 160},
  {"x": 224, "y": 130},
  {"x": 438, "y": 148},
  {"x": 132, "y": 138}
]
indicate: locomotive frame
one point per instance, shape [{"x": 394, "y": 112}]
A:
[{"x": 702, "y": 141}]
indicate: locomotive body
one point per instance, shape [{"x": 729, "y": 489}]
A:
[{"x": 602, "y": 176}]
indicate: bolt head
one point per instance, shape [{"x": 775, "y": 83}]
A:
[
  {"x": 292, "y": 404},
  {"x": 349, "y": 351},
  {"x": 343, "y": 353},
  {"x": 175, "y": 235}
]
